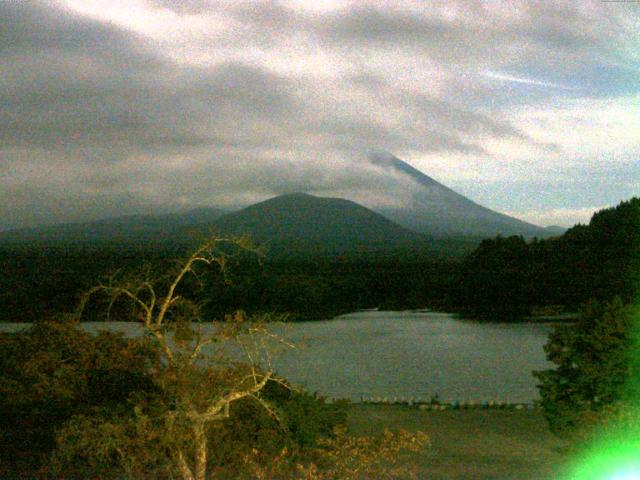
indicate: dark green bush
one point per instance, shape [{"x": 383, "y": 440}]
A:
[
  {"x": 55, "y": 370},
  {"x": 298, "y": 420}
]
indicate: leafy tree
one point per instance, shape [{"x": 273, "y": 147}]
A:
[
  {"x": 506, "y": 277},
  {"x": 54, "y": 370},
  {"x": 596, "y": 368},
  {"x": 196, "y": 389},
  {"x": 177, "y": 403}
]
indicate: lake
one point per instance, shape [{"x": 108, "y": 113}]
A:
[{"x": 411, "y": 354}]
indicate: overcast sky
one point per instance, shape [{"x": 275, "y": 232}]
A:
[{"x": 531, "y": 108}]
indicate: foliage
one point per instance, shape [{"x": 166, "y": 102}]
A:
[
  {"x": 299, "y": 420},
  {"x": 42, "y": 281},
  {"x": 495, "y": 279},
  {"x": 306, "y": 417},
  {"x": 46, "y": 281},
  {"x": 320, "y": 289},
  {"x": 115, "y": 443},
  {"x": 54, "y": 370},
  {"x": 505, "y": 278},
  {"x": 596, "y": 368},
  {"x": 208, "y": 406},
  {"x": 135, "y": 440},
  {"x": 342, "y": 457}
]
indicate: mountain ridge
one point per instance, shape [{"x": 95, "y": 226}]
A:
[
  {"x": 441, "y": 211},
  {"x": 433, "y": 211},
  {"x": 134, "y": 227},
  {"x": 304, "y": 223}
]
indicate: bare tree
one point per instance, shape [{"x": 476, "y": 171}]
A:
[{"x": 203, "y": 382}]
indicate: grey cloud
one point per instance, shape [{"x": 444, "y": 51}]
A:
[
  {"x": 119, "y": 122},
  {"x": 186, "y": 7},
  {"x": 31, "y": 206},
  {"x": 253, "y": 178},
  {"x": 31, "y": 27},
  {"x": 248, "y": 89},
  {"x": 70, "y": 80},
  {"x": 374, "y": 24},
  {"x": 565, "y": 35},
  {"x": 91, "y": 84}
]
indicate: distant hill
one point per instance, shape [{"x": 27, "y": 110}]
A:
[
  {"x": 431, "y": 214},
  {"x": 437, "y": 210},
  {"x": 299, "y": 223},
  {"x": 130, "y": 228},
  {"x": 428, "y": 208},
  {"x": 291, "y": 225}
]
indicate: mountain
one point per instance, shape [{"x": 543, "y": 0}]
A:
[
  {"x": 437, "y": 210},
  {"x": 291, "y": 225},
  {"x": 299, "y": 223},
  {"x": 130, "y": 228}
]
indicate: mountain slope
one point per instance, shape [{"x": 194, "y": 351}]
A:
[
  {"x": 302, "y": 223},
  {"x": 437, "y": 210},
  {"x": 130, "y": 228},
  {"x": 317, "y": 224}
]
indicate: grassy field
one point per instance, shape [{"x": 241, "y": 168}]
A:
[{"x": 472, "y": 444}]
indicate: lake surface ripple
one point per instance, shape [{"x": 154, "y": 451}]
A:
[{"x": 411, "y": 354}]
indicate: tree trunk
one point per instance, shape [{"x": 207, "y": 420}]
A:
[
  {"x": 200, "y": 439},
  {"x": 185, "y": 471}
]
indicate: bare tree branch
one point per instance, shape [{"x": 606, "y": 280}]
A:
[
  {"x": 226, "y": 400},
  {"x": 196, "y": 408}
]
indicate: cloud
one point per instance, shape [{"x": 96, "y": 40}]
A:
[
  {"x": 564, "y": 217},
  {"x": 524, "y": 80},
  {"x": 157, "y": 105}
]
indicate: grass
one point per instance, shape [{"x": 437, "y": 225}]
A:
[
  {"x": 471, "y": 444},
  {"x": 465, "y": 444}
]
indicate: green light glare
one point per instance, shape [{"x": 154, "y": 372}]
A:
[
  {"x": 609, "y": 460},
  {"x": 628, "y": 474},
  {"x": 614, "y": 453}
]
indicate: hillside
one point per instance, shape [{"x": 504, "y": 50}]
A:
[
  {"x": 304, "y": 224},
  {"x": 507, "y": 277},
  {"x": 130, "y": 228}
]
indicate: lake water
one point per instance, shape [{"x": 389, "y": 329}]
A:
[{"x": 412, "y": 354}]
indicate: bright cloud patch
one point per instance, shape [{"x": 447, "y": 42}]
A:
[{"x": 564, "y": 217}]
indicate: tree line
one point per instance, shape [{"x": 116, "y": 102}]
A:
[
  {"x": 40, "y": 282},
  {"x": 507, "y": 278}
]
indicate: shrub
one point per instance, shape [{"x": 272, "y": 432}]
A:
[
  {"x": 299, "y": 420},
  {"x": 54, "y": 370},
  {"x": 596, "y": 368},
  {"x": 343, "y": 457},
  {"x": 133, "y": 440}
]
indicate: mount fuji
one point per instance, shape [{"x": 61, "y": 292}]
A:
[{"x": 434, "y": 209}]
